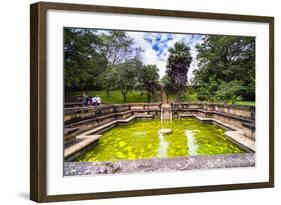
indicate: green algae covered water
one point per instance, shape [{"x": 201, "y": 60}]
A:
[{"x": 141, "y": 140}]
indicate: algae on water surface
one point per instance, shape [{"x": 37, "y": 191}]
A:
[{"x": 141, "y": 140}]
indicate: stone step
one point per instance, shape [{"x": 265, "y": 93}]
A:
[
  {"x": 81, "y": 145},
  {"x": 87, "y": 138},
  {"x": 238, "y": 137},
  {"x": 234, "y": 134},
  {"x": 102, "y": 127}
]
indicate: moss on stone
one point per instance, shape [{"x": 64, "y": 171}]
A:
[{"x": 140, "y": 140}]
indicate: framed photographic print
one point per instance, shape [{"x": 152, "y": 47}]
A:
[{"x": 134, "y": 102}]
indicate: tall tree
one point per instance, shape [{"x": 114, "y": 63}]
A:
[
  {"x": 126, "y": 76},
  {"x": 82, "y": 59},
  {"x": 226, "y": 59},
  {"x": 108, "y": 78},
  {"x": 178, "y": 64},
  {"x": 148, "y": 80},
  {"x": 118, "y": 47},
  {"x": 90, "y": 57}
]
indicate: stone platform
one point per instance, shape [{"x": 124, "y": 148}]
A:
[{"x": 160, "y": 164}]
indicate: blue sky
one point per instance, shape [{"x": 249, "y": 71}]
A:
[{"x": 156, "y": 45}]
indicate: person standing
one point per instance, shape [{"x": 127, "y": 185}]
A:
[
  {"x": 94, "y": 100},
  {"x": 85, "y": 100},
  {"x": 98, "y": 100}
]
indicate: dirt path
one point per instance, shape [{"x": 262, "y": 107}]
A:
[{"x": 164, "y": 98}]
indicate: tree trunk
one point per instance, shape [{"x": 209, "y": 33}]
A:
[
  {"x": 124, "y": 97},
  {"x": 178, "y": 97},
  {"x": 148, "y": 97},
  {"x": 107, "y": 92}
]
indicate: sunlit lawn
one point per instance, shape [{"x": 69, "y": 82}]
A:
[
  {"x": 248, "y": 103},
  {"x": 188, "y": 97},
  {"x": 115, "y": 96},
  {"x": 192, "y": 98}
]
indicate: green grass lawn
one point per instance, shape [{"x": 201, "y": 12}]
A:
[
  {"x": 248, "y": 103},
  {"x": 115, "y": 96},
  {"x": 192, "y": 98}
]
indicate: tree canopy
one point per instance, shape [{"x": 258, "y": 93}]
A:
[
  {"x": 126, "y": 76},
  {"x": 111, "y": 60},
  {"x": 91, "y": 59},
  {"x": 82, "y": 59},
  {"x": 226, "y": 68},
  {"x": 149, "y": 80}
]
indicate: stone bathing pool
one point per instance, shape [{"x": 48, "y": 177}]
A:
[
  {"x": 203, "y": 137},
  {"x": 141, "y": 139}
]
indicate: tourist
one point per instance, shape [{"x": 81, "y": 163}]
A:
[
  {"x": 85, "y": 100},
  {"x": 98, "y": 100},
  {"x": 89, "y": 101},
  {"x": 94, "y": 100}
]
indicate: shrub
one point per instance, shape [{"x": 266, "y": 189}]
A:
[{"x": 229, "y": 91}]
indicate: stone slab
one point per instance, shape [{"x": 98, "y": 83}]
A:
[
  {"x": 235, "y": 134},
  {"x": 80, "y": 145},
  {"x": 238, "y": 137},
  {"x": 160, "y": 164}
]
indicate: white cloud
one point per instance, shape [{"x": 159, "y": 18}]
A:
[{"x": 161, "y": 43}]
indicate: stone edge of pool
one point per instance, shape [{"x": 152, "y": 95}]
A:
[
  {"x": 234, "y": 134},
  {"x": 160, "y": 164}
]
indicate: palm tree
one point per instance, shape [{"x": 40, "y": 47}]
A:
[{"x": 178, "y": 64}]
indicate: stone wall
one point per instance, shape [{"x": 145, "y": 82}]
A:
[
  {"x": 242, "y": 117},
  {"x": 247, "y": 112},
  {"x": 86, "y": 118}
]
